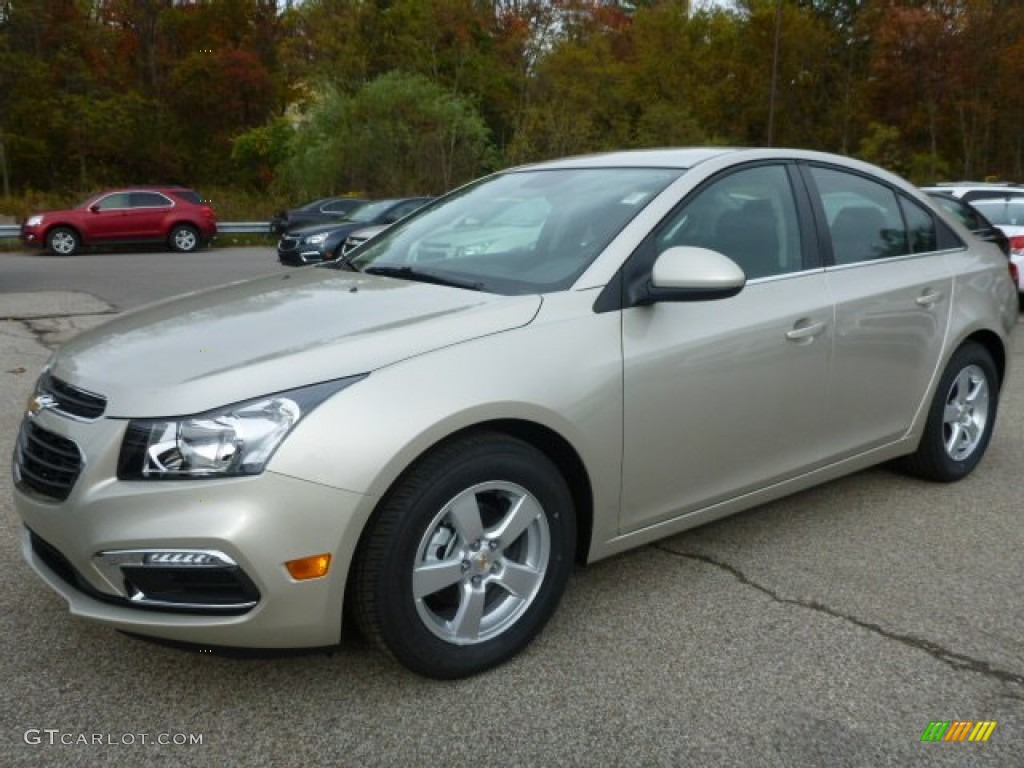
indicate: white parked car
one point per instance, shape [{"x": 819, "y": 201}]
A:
[
  {"x": 972, "y": 191},
  {"x": 432, "y": 444},
  {"x": 1008, "y": 215},
  {"x": 360, "y": 236}
]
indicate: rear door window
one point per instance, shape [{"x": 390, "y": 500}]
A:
[
  {"x": 149, "y": 200},
  {"x": 865, "y": 220}
]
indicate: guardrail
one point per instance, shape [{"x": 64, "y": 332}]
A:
[
  {"x": 10, "y": 231},
  {"x": 243, "y": 227}
]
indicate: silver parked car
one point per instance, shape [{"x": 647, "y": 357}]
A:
[
  {"x": 360, "y": 236},
  {"x": 432, "y": 443}
]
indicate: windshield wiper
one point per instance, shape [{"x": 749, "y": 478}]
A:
[
  {"x": 408, "y": 273},
  {"x": 343, "y": 262}
]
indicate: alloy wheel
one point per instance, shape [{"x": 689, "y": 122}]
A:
[
  {"x": 966, "y": 413},
  {"x": 481, "y": 562}
]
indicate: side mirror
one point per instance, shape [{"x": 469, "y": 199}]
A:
[
  {"x": 688, "y": 273},
  {"x": 94, "y": 208}
]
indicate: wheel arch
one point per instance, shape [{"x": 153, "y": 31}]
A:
[
  {"x": 991, "y": 342},
  {"x": 994, "y": 346},
  {"x": 63, "y": 225},
  {"x": 544, "y": 439},
  {"x": 564, "y": 456}
]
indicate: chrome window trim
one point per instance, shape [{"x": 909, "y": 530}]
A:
[
  {"x": 892, "y": 259},
  {"x": 171, "y": 203},
  {"x": 784, "y": 276}
]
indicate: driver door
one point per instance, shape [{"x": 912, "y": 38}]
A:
[{"x": 724, "y": 397}]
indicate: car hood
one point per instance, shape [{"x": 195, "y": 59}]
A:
[{"x": 248, "y": 339}]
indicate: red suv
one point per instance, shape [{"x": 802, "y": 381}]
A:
[{"x": 173, "y": 215}]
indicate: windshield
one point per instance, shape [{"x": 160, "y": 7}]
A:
[
  {"x": 518, "y": 232},
  {"x": 1003, "y": 214}
]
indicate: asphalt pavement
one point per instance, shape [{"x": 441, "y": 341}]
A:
[{"x": 826, "y": 629}]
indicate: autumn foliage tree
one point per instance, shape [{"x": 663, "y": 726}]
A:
[{"x": 417, "y": 95}]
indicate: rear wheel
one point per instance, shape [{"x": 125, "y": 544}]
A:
[
  {"x": 467, "y": 557},
  {"x": 184, "y": 238},
  {"x": 63, "y": 241},
  {"x": 961, "y": 417}
]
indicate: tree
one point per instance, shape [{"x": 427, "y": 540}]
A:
[{"x": 400, "y": 134}]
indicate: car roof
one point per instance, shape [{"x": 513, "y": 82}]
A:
[
  {"x": 146, "y": 188},
  {"x": 685, "y": 158}
]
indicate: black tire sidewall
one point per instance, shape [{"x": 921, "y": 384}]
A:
[{"x": 400, "y": 625}]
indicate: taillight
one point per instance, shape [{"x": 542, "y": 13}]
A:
[
  {"x": 1014, "y": 274},
  {"x": 1017, "y": 245},
  {"x": 207, "y": 211}
]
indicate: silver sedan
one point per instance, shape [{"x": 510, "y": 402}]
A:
[{"x": 430, "y": 437}]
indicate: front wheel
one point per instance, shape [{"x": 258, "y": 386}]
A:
[
  {"x": 184, "y": 238},
  {"x": 62, "y": 241},
  {"x": 467, "y": 557},
  {"x": 961, "y": 417}
]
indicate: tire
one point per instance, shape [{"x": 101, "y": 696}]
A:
[
  {"x": 184, "y": 238},
  {"x": 960, "y": 419},
  {"x": 435, "y": 585},
  {"x": 63, "y": 241}
]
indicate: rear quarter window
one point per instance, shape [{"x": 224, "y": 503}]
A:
[{"x": 188, "y": 195}]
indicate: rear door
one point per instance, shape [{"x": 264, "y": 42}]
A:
[
  {"x": 892, "y": 290},
  {"x": 148, "y": 217}
]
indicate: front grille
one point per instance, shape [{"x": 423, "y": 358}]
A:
[
  {"x": 46, "y": 462},
  {"x": 288, "y": 243},
  {"x": 71, "y": 400}
]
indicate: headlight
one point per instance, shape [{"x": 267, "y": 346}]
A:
[
  {"x": 34, "y": 221},
  {"x": 316, "y": 239},
  {"x": 231, "y": 441}
]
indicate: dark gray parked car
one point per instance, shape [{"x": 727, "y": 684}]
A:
[
  {"x": 323, "y": 242},
  {"x": 328, "y": 210}
]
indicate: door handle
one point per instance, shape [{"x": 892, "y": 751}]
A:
[
  {"x": 929, "y": 298},
  {"x": 805, "y": 330}
]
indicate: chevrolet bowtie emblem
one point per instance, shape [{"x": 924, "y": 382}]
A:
[{"x": 38, "y": 403}]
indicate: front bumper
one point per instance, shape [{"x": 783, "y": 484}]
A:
[
  {"x": 256, "y": 524},
  {"x": 31, "y": 237},
  {"x": 292, "y": 252}
]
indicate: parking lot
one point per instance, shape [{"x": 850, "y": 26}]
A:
[{"x": 828, "y": 628}]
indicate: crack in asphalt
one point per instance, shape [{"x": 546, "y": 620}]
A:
[
  {"x": 40, "y": 334},
  {"x": 59, "y": 315},
  {"x": 953, "y": 659}
]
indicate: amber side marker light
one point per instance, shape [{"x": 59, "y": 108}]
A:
[{"x": 312, "y": 567}]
